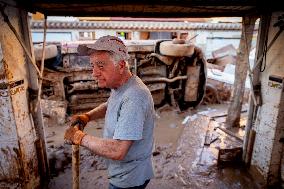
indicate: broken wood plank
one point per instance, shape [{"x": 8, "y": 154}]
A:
[
  {"x": 250, "y": 145},
  {"x": 225, "y": 114},
  {"x": 230, "y": 133},
  {"x": 214, "y": 137},
  {"x": 207, "y": 140}
]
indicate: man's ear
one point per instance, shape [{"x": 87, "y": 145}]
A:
[{"x": 121, "y": 66}]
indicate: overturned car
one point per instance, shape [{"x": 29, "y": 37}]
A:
[{"x": 173, "y": 70}]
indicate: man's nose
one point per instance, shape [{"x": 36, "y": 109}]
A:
[{"x": 96, "y": 72}]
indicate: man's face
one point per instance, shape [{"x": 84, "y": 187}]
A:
[{"x": 104, "y": 70}]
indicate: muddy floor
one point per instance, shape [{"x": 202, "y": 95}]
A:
[{"x": 186, "y": 151}]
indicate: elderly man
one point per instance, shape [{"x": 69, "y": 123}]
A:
[{"x": 129, "y": 117}]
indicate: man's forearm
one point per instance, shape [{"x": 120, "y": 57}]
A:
[
  {"x": 98, "y": 112},
  {"x": 109, "y": 148}
]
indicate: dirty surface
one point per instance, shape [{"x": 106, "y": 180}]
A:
[{"x": 181, "y": 159}]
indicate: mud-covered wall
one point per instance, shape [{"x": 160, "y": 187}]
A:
[
  {"x": 269, "y": 126},
  {"x": 18, "y": 159}
]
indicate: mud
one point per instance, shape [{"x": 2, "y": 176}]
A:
[{"x": 180, "y": 158}]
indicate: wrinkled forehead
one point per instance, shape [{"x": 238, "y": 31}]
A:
[
  {"x": 100, "y": 57},
  {"x": 96, "y": 53}
]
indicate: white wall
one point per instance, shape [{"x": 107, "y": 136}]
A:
[
  {"x": 211, "y": 40},
  {"x": 101, "y": 33},
  {"x": 218, "y": 39},
  {"x": 269, "y": 125},
  {"x": 136, "y": 35},
  {"x": 52, "y": 36}
]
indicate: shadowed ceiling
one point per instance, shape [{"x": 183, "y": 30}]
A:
[{"x": 154, "y": 8}]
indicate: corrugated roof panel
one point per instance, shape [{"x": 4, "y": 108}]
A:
[{"x": 136, "y": 25}]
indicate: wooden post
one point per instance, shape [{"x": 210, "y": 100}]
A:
[
  {"x": 34, "y": 106},
  {"x": 251, "y": 139},
  {"x": 75, "y": 166},
  {"x": 242, "y": 66},
  {"x": 262, "y": 33}
]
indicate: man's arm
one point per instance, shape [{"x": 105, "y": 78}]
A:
[
  {"x": 98, "y": 112},
  {"x": 109, "y": 148}
]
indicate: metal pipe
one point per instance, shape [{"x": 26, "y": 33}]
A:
[
  {"x": 152, "y": 72},
  {"x": 89, "y": 85},
  {"x": 172, "y": 73},
  {"x": 163, "y": 79}
]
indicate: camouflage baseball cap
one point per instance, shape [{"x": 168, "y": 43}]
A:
[{"x": 105, "y": 43}]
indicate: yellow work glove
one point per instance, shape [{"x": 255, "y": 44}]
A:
[
  {"x": 81, "y": 120},
  {"x": 73, "y": 136}
]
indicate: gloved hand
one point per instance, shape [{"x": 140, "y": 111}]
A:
[
  {"x": 81, "y": 120},
  {"x": 73, "y": 135}
]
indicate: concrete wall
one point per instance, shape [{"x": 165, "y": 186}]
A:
[
  {"x": 54, "y": 36},
  {"x": 18, "y": 157},
  {"x": 211, "y": 40},
  {"x": 267, "y": 151},
  {"x": 101, "y": 33}
]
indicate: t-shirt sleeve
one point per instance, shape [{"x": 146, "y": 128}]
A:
[{"x": 130, "y": 120}]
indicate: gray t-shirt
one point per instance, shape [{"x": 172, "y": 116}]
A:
[{"x": 130, "y": 116}]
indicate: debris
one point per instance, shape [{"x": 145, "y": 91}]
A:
[
  {"x": 223, "y": 61},
  {"x": 182, "y": 181},
  {"x": 224, "y": 51},
  {"x": 159, "y": 174},
  {"x": 58, "y": 158},
  {"x": 189, "y": 118},
  {"x": 156, "y": 153},
  {"x": 229, "y": 133},
  {"x": 214, "y": 137},
  {"x": 165, "y": 107},
  {"x": 220, "y": 83},
  {"x": 194, "y": 117},
  {"x": 230, "y": 157},
  {"x": 209, "y": 110},
  {"x": 157, "y": 115},
  {"x": 207, "y": 138},
  {"x": 205, "y": 141},
  {"x": 214, "y": 66},
  {"x": 180, "y": 168},
  {"x": 225, "y": 114},
  {"x": 51, "y": 134},
  {"x": 212, "y": 96},
  {"x": 54, "y": 111},
  {"x": 185, "y": 120}
]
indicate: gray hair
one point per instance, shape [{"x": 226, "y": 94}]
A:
[{"x": 117, "y": 58}]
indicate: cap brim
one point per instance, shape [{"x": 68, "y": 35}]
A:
[
  {"x": 83, "y": 50},
  {"x": 86, "y": 50}
]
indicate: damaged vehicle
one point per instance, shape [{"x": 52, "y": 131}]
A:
[{"x": 173, "y": 70}]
